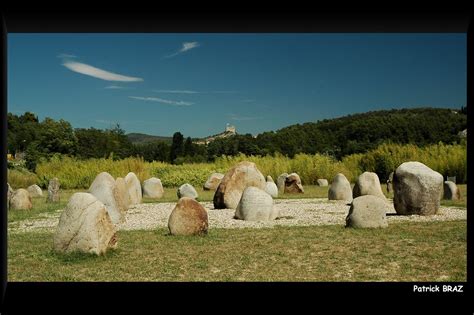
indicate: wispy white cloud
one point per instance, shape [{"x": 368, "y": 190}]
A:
[
  {"x": 65, "y": 56},
  {"x": 160, "y": 100},
  {"x": 186, "y": 46},
  {"x": 98, "y": 73},
  {"x": 177, "y": 91},
  {"x": 117, "y": 87},
  {"x": 242, "y": 118}
]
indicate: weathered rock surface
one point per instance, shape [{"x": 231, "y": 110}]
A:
[
  {"x": 152, "y": 188},
  {"x": 104, "y": 189},
  {"x": 20, "y": 200},
  {"x": 35, "y": 191},
  {"x": 417, "y": 189},
  {"x": 213, "y": 181},
  {"x": 323, "y": 182},
  {"x": 85, "y": 226},
  {"x": 293, "y": 184},
  {"x": 9, "y": 195},
  {"x": 134, "y": 188},
  {"x": 281, "y": 182},
  {"x": 121, "y": 195},
  {"x": 451, "y": 191},
  {"x": 368, "y": 211},
  {"x": 271, "y": 189},
  {"x": 187, "y": 190},
  {"x": 256, "y": 205},
  {"x": 367, "y": 183},
  {"x": 188, "y": 217},
  {"x": 54, "y": 194},
  {"x": 239, "y": 177},
  {"x": 340, "y": 188}
]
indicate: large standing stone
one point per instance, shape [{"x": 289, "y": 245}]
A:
[
  {"x": 368, "y": 211},
  {"x": 293, "y": 184},
  {"x": 340, "y": 188},
  {"x": 187, "y": 190},
  {"x": 35, "y": 191},
  {"x": 188, "y": 217},
  {"x": 256, "y": 205},
  {"x": 152, "y": 188},
  {"x": 20, "y": 199},
  {"x": 134, "y": 188},
  {"x": 9, "y": 195},
  {"x": 121, "y": 195},
  {"x": 367, "y": 183},
  {"x": 451, "y": 191},
  {"x": 323, "y": 182},
  {"x": 389, "y": 183},
  {"x": 85, "y": 226},
  {"x": 417, "y": 189},
  {"x": 281, "y": 182},
  {"x": 213, "y": 181},
  {"x": 271, "y": 188},
  {"x": 104, "y": 189},
  {"x": 239, "y": 177},
  {"x": 54, "y": 194}
]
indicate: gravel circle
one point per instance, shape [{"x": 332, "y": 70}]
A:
[{"x": 293, "y": 212}]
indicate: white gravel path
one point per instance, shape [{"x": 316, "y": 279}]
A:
[{"x": 293, "y": 212}]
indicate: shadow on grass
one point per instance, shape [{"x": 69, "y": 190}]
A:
[{"x": 78, "y": 257}]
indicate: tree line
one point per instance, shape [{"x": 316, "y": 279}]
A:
[{"x": 337, "y": 137}]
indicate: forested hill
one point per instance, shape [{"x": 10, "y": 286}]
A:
[
  {"x": 355, "y": 133},
  {"x": 144, "y": 138}
]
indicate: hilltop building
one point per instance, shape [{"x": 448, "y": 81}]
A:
[{"x": 229, "y": 132}]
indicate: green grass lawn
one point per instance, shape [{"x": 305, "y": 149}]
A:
[{"x": 430, "y": 251}]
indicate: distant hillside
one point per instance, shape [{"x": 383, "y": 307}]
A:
[
  {"x": 136, "y": 138},
  {"x": 350, "y": 134}
]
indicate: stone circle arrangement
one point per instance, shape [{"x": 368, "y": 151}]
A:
[{"x": 89, "y": 222}]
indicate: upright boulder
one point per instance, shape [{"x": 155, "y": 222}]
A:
[
  {"x": 271, "y": 188},
  {"x": 188, "y": 217},
  {"x": 368, "y": 211},
  {"x": 85, "y": 226},
  {"x": 104, "y": 189},
  {"x": 20, "y": 200},
  {"x": 134, "y": 188},
  {"x": 389, "y": 183},
  {"x": 281, "y": 182},
  {"x": 340, "y": 188},
  {"x": 293, "y": 184},
  {"x": 213, "y": 181},
  {"x": 54, "y": 194},
  {"x": 417, "y": 189},
  {"x": 9, "y": 195},
  {"x": 152, "y": 188},
  {"x": 121, "y": 195},
  {"x": 367, "y": 183},
  {"x": 451, "y": 191},
  {"x": 239, "y": 177},
  {"x": 256, "y": 205},
  {"x": 187, "y": 190},
  {"x": 322, "y": 182},
  {"x": 35, "y": 191}
]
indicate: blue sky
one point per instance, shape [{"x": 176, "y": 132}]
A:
[{"x": 196, "y": 83}]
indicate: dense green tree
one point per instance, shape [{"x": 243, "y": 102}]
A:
[{"x": 177, "y": 146}]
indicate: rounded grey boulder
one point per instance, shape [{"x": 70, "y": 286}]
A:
[
  {"x": 35, "y": 191},
  {"x": 417, "y": 189},
  {"x": 187, "y": 190},
  {"x": 323, "y": 182},
  {"x": 152, "y": 188},
  {"x": 368, "y": 183},
  {"x": 368, "y": 211},
  {"x": 340, "y": 188},
  {"x": 451, "y": 191},
  {"x": 20, "y": 200},
  {"x": 256, "y": 205}
]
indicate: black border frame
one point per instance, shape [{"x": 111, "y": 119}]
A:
[{"x": 136, "y": 296}]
